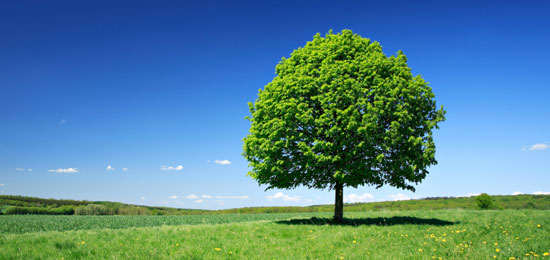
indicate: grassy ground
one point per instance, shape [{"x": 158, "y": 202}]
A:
[{"x": 445, "y": 234}]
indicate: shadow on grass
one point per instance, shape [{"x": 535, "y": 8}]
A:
[{"x": 369, "y": 221}]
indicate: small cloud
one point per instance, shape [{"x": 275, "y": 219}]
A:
[
  {"x": 285, "y": 197},
  {"x": 399, "y": 196},
  {"x": 20, "y": 169},
  {"x": 541, "y": 193},
  {"x": 124, "y": 169},
  {"x": 206, "y": 196},
  {"x": 517, "y": 193},
  {"x": 198, "y": 201},
  {"x": 142, "y": 198},
  {"x": 536, "y": 147},
  {"x": 233, "y": 197},
  {"x": 224, "y": 162},
  {"x": 110, "y": 168},
  {"x": 171, "y": 168},
  {"x": 472, "y": 195},
  {"x": 2, "y": 185},
  {"x": 62, "y": 121},
  {"x": 192, "y": 197},
  {"x": 173, "y": 197},
  {"x": 353, "y": 198},
  {"x": 64, "y": 170}
]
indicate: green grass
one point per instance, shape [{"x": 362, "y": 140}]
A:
[
  {"x": 449, "y": 234},
  {"x": 36, "y": 223}
]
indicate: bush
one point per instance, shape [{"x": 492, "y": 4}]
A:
[
  {"x": 91, "y": 209},
  {"x": 484, "y": 201},
  {"x": 16, "y": 210}
]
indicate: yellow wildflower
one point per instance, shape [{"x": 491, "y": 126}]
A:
[
  {"x": 217, "y": 249},
  {"x": 498, "y": 250}
]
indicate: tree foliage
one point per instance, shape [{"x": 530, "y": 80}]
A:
[
  {"x": 340, "y": 112},
  {"x": 484, "y": 201}
]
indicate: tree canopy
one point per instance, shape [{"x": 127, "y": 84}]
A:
[{"x": 338, "y": 113}]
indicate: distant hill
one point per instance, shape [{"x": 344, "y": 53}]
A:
[{"x": 11, "y": 204}]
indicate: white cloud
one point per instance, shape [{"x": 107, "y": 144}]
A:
[
  {"x": 110, "y": 168},
  {"x": 64, "y": 170},
  {"x": 224, "y": 162},
  {"x": 399, "y": 196},
  {"x": 472, "y": 195},
  {"x": 352, "y": 198},
  {"x": 20, "y": 169},
  {"x": 62, "y": 121},
  {"x": 233, "y": 197},
  {"x": 124, "y": 169},
  {"x": 192, "y": 197},
  {"x": 173, "y": 197},
  {"x": 539, "y": 147},
  {"x": 206, "y": 196},
  {"x": 517, "y": 193},
  {"x": 285, "y": 197},
  {"x": 541, "y": 193},
  {"x": 2, "y": 185},
  {"x": 198, "y": 201},
  {"x": 171, "y": 168},
  {"x": 142, "y": 198}
]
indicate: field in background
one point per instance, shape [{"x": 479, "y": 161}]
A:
[
  {"x": 423, "y": 234},
  {"x": 20, "y": 205}
]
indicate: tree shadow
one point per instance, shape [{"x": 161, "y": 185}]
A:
[{"x": 381, "y": 221}]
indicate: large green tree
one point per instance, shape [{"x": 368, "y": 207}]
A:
[{"x": 339, "y": 113}]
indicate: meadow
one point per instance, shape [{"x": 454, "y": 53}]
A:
[{"x": 416, "y": 234}]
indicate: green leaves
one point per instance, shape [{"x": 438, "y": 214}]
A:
[{"x": 340, "y": 110}]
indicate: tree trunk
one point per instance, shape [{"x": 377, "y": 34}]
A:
[{"x": 339, "y": 202}]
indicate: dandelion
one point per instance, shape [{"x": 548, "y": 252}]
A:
[
  {"x": 496, "y": 244},
  {"x": 82, "y": 242},
  {"x": 420, "y": 250},
  {"x": 512, "y": 258},
  {"x": 546, "y": 254},
  {"x": 354, "y": 241},
  {"x": 538, "y": 225},
  {"x": 494, "y": 256},
  {"x": 497, "y": 250},
  {"x": 217, "y": 249}
]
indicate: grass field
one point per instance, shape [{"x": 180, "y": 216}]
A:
[{"x": 445, "y": 234}]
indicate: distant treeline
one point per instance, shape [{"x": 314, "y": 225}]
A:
[{"x": 10, "y": 205}]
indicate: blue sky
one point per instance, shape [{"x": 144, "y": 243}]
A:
[{"x": 158, "y": 92}]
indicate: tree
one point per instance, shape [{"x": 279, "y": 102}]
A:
[
  {"x": 339, "y": 113},
  {"x": 484, "y": 201}
]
